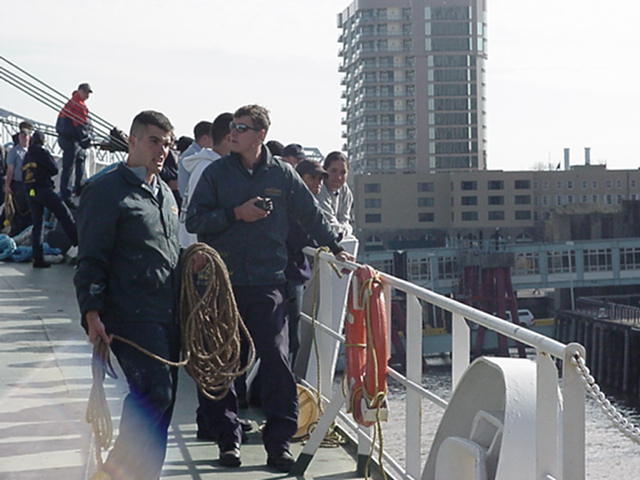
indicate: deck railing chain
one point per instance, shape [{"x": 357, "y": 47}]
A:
[{"x": 590, "y": 385}]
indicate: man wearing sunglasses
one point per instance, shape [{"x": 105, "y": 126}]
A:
[{"x": 242, "y": 206}]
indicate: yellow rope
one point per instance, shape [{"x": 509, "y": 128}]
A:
[{"x": 211, "y": 335}]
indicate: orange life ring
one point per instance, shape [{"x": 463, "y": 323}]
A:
[{"x": 366, "y": 345}]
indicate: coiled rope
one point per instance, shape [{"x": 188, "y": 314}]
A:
[{"x": 211, "y": 328}]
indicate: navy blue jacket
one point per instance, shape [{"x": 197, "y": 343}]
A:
[
  {"x": 255, "y": 252},
  {"x": 298, "y": 270},
  {"x": 128, "y": 250},
  {"x": 38, "y": 168}
]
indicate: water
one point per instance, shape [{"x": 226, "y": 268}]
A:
[{"x": 609, "y": 454}]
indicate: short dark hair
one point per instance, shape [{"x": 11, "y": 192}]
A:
[
  {"x": 25, "y": 125},
  {"x": 332, "y": 157},
  {"x": 201, "y": 128},
  {"x": 149, "y": 118},
  {"x": 258, "y": 114},
  {"x": 275, "y": 147},
  {"x": 220, "y": 127},
  {"x": 183, "y": 143},
  {"x": 37, "y": 138}
]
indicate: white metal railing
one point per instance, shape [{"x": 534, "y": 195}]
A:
[{"x": 560, "y": 406}]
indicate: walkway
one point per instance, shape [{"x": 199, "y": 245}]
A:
[{"x": 45, "y": 380}]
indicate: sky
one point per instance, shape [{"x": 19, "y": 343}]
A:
[{"x": 560, "y": 73}]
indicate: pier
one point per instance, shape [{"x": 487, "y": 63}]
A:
[{"x": 610, "y": 332}]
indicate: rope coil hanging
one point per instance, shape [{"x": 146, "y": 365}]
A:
[{"x": 212, "y": 331}]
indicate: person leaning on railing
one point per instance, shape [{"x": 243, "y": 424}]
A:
[{"x": 335, "y": 197}]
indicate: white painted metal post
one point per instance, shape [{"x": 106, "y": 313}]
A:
[
  {"x": 547, "y": 405},
  {"x": 413, "y": 412},
  {"x": 326, "y": 344},
  {"x": 460, "y": 348},
  {"x": 573, "y": 436}
]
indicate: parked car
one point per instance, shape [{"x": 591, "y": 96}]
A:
[{"x": 524, "y": 316}]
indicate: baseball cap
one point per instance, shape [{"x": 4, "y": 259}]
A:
[
  {"x": 294, "y": 150},
  {"x": 311, "y": 167},
  {"x": 86, "y": 87}
]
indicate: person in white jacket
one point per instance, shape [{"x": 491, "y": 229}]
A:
[{"x": 195, "y": 165}]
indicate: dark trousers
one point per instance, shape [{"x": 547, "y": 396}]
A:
[
  {"x": 22, "y": 215},
  {"x": 295, "y": 292},
  {"x": 39, "y": 199},
  {"x": 72, "y": 156},
  {"x": 262, "y": 310},
  {"x": 141, "y": 446}
]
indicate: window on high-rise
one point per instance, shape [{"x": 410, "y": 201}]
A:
[
  {"x": 451, "y": 75},
  {"x": 373, "y": 218},
  {"x": 449, "y": 90},
  {"x": 495, "y": 185},
  {"x": 469, "y": 200},
  {"x": 426, "y": 216},
  {"x": 451, "y": 13},
  {"x": 425, "y": 186},
  {"x": 469, "y": 216},
  {"x": 468, "y": 185},
  {"x": 496, "y": 215},
  {"x": 449, "y": 44},
  {"x": 372, "y": 203},
  {"x": 425, "y": 201},
  {"x": 372, "y": 188},
  {"x": 495, "y": 200},
  {"x": 522, "y": 184},
  {"x": 450, "y": 28},
  {"x": 523, "y": 215},
  {"x": 523, "y": 200}
]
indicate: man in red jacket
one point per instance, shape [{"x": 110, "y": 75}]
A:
[{"x": 73, "y": 137}]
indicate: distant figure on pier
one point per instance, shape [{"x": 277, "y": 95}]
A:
[
  {"x": 13, "y": 180},
  {"x": 335, "y": 197},
  {"x": 202, "y": 134},
  {"x": 39, "y": 168},
  {"x": 73, "y": 130}
]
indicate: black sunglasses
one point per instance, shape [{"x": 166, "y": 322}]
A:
[{"x": 242, "y": 127}]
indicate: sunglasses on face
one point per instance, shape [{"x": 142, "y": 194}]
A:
[{"x": 242, "y": 127}]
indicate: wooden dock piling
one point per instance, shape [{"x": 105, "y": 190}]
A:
[{"x": 613, "y": 348}]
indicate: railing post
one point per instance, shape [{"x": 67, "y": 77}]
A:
[
  {"x": 460, "y": 348},
  {"x": 413, "y": 413},
  {"x": 326, "y": 344},
  {"x": 547, "y": 404},
  {"x": 573, "y": 417}
]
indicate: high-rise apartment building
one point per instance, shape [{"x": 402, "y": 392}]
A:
[{"x": 414, "y": 84}]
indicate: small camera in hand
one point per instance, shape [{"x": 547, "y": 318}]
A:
[{"x": 265, "y": 204}]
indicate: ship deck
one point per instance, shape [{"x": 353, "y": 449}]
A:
[{"x": 45, "y": 378}]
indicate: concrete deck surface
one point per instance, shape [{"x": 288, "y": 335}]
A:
[{"x": 45, "y": 378}]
